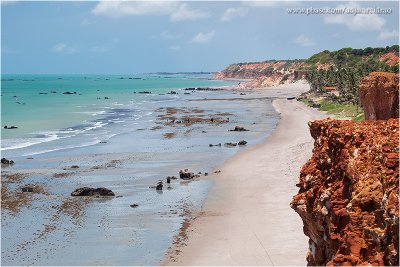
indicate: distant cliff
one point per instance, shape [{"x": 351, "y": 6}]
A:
[
  {"x": 379, "y": 95},
  {"x": 267, "y": 73},
  {"x": 275, "y": 72}
]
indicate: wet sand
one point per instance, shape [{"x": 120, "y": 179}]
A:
[{"x": 246, "y": 219}]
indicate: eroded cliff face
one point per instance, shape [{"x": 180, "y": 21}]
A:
[
  {"x": 270, "y": 73},
  {"x": 349, "y": 193},
  {"x": 379, "y": 95}
]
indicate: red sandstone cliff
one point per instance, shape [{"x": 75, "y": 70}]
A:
[
  {"x": 263, "y": 74},
  {"x": 349, "y": 193},
  {"x": 379, "y": 95}
]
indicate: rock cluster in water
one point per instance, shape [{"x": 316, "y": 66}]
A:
[
  {"x": 7, "y": 161},
  {"x": 348, "y": 194},
  {"x": 88, "y": 191}
]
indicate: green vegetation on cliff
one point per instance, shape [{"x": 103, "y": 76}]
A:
[
  {"x": 355, "y": 58},
  {"x": 333, "y": 75},
  {"x": 343, "y": 69}
]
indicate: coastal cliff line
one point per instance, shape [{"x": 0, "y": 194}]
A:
[
  {"x": 348, "y": 195},
  {"x": 317, "y": 69}
]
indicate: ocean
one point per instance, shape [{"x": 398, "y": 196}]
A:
[{"x": 122, "y": 132}]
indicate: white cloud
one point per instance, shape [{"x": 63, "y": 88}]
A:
[
  {"x": 358, "y": 22},
  {"x": 124, "y": 8},
  {"x": 99, "y": 49},
  {"x": 64, "y": 49},
  {"x": 60, "y": 47},
  {"x": 175, "y": 10},
  {"x": 386, "y": 34},
  {"x": 270, "y": 3},
  {"x": 183, "y": 12},
  {"x": 366, "y": 22},
  {"x": 175, "y": 47},
  {"x": 166, "y": 35},
  {"x": 202, "y": 38},
  {"x": 233, "y": 12},
  {"x": 304, "y": 40}
]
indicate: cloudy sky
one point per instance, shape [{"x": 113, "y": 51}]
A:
[{"x": 118, "y": 37}]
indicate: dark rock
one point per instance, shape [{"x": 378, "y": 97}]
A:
[
  {"x": 88, "y": 191},
  {"x": 6, "y": 161},
  {"x": 172, "y": 93},
  {"x": 203, "y": 131},
  {"x": 211, "y": 145},
  {"x": 242, "y": 143},
  {"x": 186, "y": 175},
  {"x": 291, "y": 98},
  {"x": 74, "y": 167},
  {"x": 168, "y": 180},
  {"x": 230, "y": 144},
  {"x": 10, "y": 127},
  {"x": 27, "y": 189},
  {"x": 159, "y": 186},
  {"x": 206, "y": 173},
  {"x": 315, "y": 105},
  {"x": 69, "y": 93},
  {"x": 134, "y": 205},
  {"x": 145, "y": 92},
  {"x": 242, "y": 94},
  {"x": 106, "y": 97},
  {"x": 238, "y": 129}
]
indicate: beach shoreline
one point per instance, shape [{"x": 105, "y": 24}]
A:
[
  {"x": 246, "y": 218},
  {"x": 123, "y": 166}
]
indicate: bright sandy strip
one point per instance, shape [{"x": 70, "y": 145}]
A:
[{"x": 246, "y": 219}]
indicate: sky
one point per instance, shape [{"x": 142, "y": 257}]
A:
[{"x": 120, "y": 37}]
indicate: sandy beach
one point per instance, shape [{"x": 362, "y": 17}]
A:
[{"x": 246, "y": 219}]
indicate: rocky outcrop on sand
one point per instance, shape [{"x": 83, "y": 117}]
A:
[
  {"x": 88, "y": 191},
  {"x": 379, "y": 95},
  {"x": 186, "y": 174},
  {"x": 239, "y": 129},
  {"x": 349, "y": 193},
  {"x": 7, "y": 161}
]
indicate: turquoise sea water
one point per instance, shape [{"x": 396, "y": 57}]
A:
[
  {"x": 113, "y": 133},
  {"x": 37, "y": 106}
]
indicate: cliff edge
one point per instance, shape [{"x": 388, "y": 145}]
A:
[
  {"x": 349, "y": 193},
  {"x": 379, "y": 95}
]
